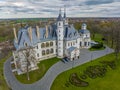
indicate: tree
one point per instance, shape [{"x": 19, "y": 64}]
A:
[{"x": 29, "y": 58}]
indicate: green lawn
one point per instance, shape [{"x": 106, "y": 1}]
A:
[
  {"x": 3, "y": 85},
  {"x": 110, "y": 81},
  {"x": 39, "y": 73},
  {"x": 98, "y": 37}
]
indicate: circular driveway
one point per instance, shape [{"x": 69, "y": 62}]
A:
[{"x": 46, "y": 82}]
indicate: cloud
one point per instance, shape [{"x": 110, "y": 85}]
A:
[
  {"x": 50, "y": 8},
  {"x": 97, "y": 2}
]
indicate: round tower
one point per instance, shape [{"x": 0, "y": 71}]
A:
[
  {"x": 84, "y": 26},
  {"x": 60, "y": 35}
]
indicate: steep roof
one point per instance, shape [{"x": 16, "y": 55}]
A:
[
  {"x": 23, "y": 36},
  {"x": 70, "y": 33}
]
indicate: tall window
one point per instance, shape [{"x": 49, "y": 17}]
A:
[
  {"x": 42, "y": 45},
  {"x": 51, "y": 51},
  {"x": 47, "y": 44},
  {"x": 47, "y": 51},
  {"x": 85, "y": 43},
  {"x": 43, "y": 52},
  {"x": 80, "y": 43},
  {"x": 59, "y": 23},
  {"x": 51, "y": 43},
  {"x": 37, "y": 54}
]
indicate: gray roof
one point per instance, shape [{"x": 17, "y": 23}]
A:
[
  {"x": 71, "y": 49},
  {"x": 23, "y": 36},
  {"x": 70, "y": 33},
  {"x": 82, "y": 31}
]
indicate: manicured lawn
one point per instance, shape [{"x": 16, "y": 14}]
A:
[
  {"x": 3, "y": 85},
  {"x": 39, "y": 73},
  {"x": 110, "y": 81}
]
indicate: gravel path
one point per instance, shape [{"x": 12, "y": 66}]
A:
[{"x": 46, "y": 82}]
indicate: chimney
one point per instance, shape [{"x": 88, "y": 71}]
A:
[
  {"x": 30, "y": 33},
  {"x": 37, "y": 32},
  {"x": 46, "y": 31},
  {"x": 15, "y": 35}
]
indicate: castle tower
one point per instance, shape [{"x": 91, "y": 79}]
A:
[
  {"x": 84, "y": 26},
  {"x": 60, "y": 35}
]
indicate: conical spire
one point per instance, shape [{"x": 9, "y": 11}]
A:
[
  {"x": 60, "y": 16},
  {"x": 64, "y": 12}
]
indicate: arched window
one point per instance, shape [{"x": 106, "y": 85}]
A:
[
  {"x": 51, "y": 43},
  {"x": 47, "y": 44},
  {"x": 52, "y": 51},
  {"x": 25, "y": 44},
  {"x": 42, "y": 45},
  {"x": 47, "y": 51},
  {"x": 43, "y": 52},
  {"x": 80, "y": 43},
  {"x": 59, "y": 23}
]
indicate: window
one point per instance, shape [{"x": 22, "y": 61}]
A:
[
  {"x": 42, "y": 45},
  {"x": 47, "y": 44},
  {"x": 59, "y": 43},
  {"x": 70, "y": 35},
  {"x": 85, "y": 43},
  {"x": 68, "y": 44},
  {"x": 37, "y": 47},
  {"x": 51, "y": 51},
  {"x": 43, "y": 52},
  {"x": 59, "y": 23},
  {"x": 71, "y": 43},
  {"x": 38, "y": 55},
  {"x": 25, "y": 44},
  {"x": 47, "y": 51},
  {"x": 51, "y": 43},
  {"x": 76, "y": 41},
  {"x": 80, "y": 43}
]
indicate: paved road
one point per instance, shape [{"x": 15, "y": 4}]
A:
[{"x": 46, "y": 82}]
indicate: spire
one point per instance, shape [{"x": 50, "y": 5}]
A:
[
  {"x": 60, "y": 16},
  {"x": 64, "y": 11}
]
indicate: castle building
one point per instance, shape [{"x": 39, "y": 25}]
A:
[{"x": 56, "y": 40}]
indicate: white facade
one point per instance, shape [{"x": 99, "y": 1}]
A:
[{"x": 58, "y": 40}]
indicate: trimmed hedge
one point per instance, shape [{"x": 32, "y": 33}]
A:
[
  {"x": 97, "y": 46},
  {"x": 76, "y": 81}
]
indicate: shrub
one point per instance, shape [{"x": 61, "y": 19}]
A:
[
  {"x": 97, "y": 46},
  {"x": 76, "y": 81},
  {"x": 95, "y": 71},
  {"x": 83, "y": 76}
]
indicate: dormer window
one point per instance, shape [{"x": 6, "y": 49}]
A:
[
  {"x": 70, "y": 35},
  {"x": 25, "y": 44},
  {"x": 75, "y": 34}
]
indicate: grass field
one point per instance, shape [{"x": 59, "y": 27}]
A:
[
  {"x": 3, "y": 85},
  {"x": 98, "y": 37},
  {"x": 39, "y": 73},
  {"x": 110, "y": 81}
]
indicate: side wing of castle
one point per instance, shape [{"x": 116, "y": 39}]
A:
[{"x": 56, "y": 40}]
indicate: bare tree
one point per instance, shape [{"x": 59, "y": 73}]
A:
[{"x": 29, "y": 55}]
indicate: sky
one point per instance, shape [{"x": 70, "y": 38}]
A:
[{"x": 50, "y": 8}]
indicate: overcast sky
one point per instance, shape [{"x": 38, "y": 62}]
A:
[{"x": 50, "y": 8}]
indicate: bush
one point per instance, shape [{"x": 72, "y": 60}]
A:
[
  {"x": 83, "y": 76},
  {"x": 111, "y": 64},
  {"x": 76, "y": 81},
  {"x": 97, "y": 46},
  {"x": 95, "y": 71}
]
